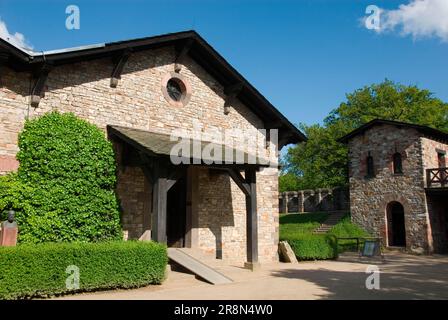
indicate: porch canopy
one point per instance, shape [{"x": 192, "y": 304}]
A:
[{"x": 154, "y": 150}]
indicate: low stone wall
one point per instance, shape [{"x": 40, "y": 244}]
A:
[{"x": 325, "y": 199}]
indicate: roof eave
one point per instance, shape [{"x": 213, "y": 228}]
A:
[{"x": 261, "y": 106}]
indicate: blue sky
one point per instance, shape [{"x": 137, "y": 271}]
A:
[{"x": 304, "y": 56}]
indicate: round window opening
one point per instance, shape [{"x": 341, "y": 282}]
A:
[{"x": 176, "y": 89}]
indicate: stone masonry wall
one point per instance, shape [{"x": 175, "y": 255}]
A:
[
  {"x": 134, "y": 193},
  {"x": 430, "y": 148},
  {"x": 222, "y": 216},
  {"x": 369, "y": 197},
  {"x": 138, "y": 102}
]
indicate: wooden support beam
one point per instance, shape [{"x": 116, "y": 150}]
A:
[
  {"x": 251, "y": 221},
  {"x": 38, "y": 89},
  {"x": 233, "y": 88},
  {"x": 164, "y": 176},
  {"x": 231, "y": 93},
  {"x": 273, "y": 125},
  {"x": 283, "y": 140},
  {"x": 159, "y": 203},
  {"x": 248, "y": 185},
  {"x": 120, "y": 62},
  {"x": 147, "y": 165},
  {"x": 148, "y": 174},
  {"x": 240, "y": 181},
  {"x": 180, "y": 56},
  {"x": 170, "y": 183},
  {"x": 4, "y": 57}
]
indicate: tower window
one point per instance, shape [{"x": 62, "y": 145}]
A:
[
  {"x": 397, "y": 163},
  {"x": 370, "y": 167}
]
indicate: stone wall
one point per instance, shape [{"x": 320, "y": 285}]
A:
[
  {"x": 138, "y": 102},
  {"x": 430, "y": 148},
  {"x": 370, "y": 196},
  {"x": 134, "y": 193},
  {"x": 324, "y": 199},
  {"x": 222, "y": 216}
]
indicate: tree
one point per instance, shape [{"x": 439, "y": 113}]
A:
[
  {"x": 68, "y": 168},
  {"x": 322, "y": 161},
  {"x": 288, "y": 182}
]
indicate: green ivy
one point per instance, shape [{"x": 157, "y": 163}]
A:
[{"x": 64, "y": 188}]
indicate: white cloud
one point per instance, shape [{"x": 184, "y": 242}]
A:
[
  {"x": 419, "y": 19},
  {"x": 16, "y": 39}
]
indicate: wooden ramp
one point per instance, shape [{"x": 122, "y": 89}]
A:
[{"x": 197, "y": 267}]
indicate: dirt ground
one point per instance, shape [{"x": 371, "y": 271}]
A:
[{"x": 401, "y": 276}]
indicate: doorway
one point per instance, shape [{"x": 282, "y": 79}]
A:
[
  {"x": 176, "y": 214},
  {"x": 396, "y": 225}
]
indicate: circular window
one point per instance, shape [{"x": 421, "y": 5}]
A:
[{"x": 176, "y": 89}]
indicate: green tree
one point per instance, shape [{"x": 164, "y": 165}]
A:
[
  {"x": 68, "y": 168},
  {"x": 322, "y": 161},
  {"x": 288, "y": 182}
]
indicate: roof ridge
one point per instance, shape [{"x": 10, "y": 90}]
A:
[{"x": 421, "y": 128}]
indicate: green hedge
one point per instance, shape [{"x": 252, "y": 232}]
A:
[
  {"x": 64, "y": 190},
  {"x": 347, "y": 229},
  {"x": 313, "y": 247},
  {"x": 28, "y": 271}
]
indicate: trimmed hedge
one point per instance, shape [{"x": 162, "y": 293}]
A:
[
  {"x": 313, "y": 247},
  {"x": 28, "y": 271}
]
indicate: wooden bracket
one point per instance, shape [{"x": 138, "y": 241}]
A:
[
  {"x": 273, "y": 125},
  {"x": 120, "y": 62},
  {"x": 283, "y": 140},
  {"x": 38, "y": 89},
  {"x": 240, "y": 181},
  {"x": 182, "y": 53},
  {"x": 3, "y": 60},
  {"x": 231, "y": 93}
]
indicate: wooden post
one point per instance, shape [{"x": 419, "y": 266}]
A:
[
  {"x": 163, "y": 180},
  {"x": 160, "y": 187},
  {"x": 251, "y": 221},
  {"x": 192, "y": 219},
  {"x": 248, "y": 185},
  {"x": 159, "y": 202}
]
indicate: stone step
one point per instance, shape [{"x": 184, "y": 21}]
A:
[{"x": 330, "y": 222}]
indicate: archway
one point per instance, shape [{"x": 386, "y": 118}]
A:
[{"x": 396, "y": 231}]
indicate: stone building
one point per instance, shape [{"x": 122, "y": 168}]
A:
[
  {"x": 139, "y": 92},
  {"x": 398, "y": 184}
]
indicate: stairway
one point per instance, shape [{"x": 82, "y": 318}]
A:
[
  {"x": 330, "y": 222},
  {"x": 195, "y": 266}
]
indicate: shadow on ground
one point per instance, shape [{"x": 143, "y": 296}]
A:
[{"x": 401, "y": 277}]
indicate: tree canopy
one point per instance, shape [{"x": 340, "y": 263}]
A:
[{"x": 322, "y": 161}]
